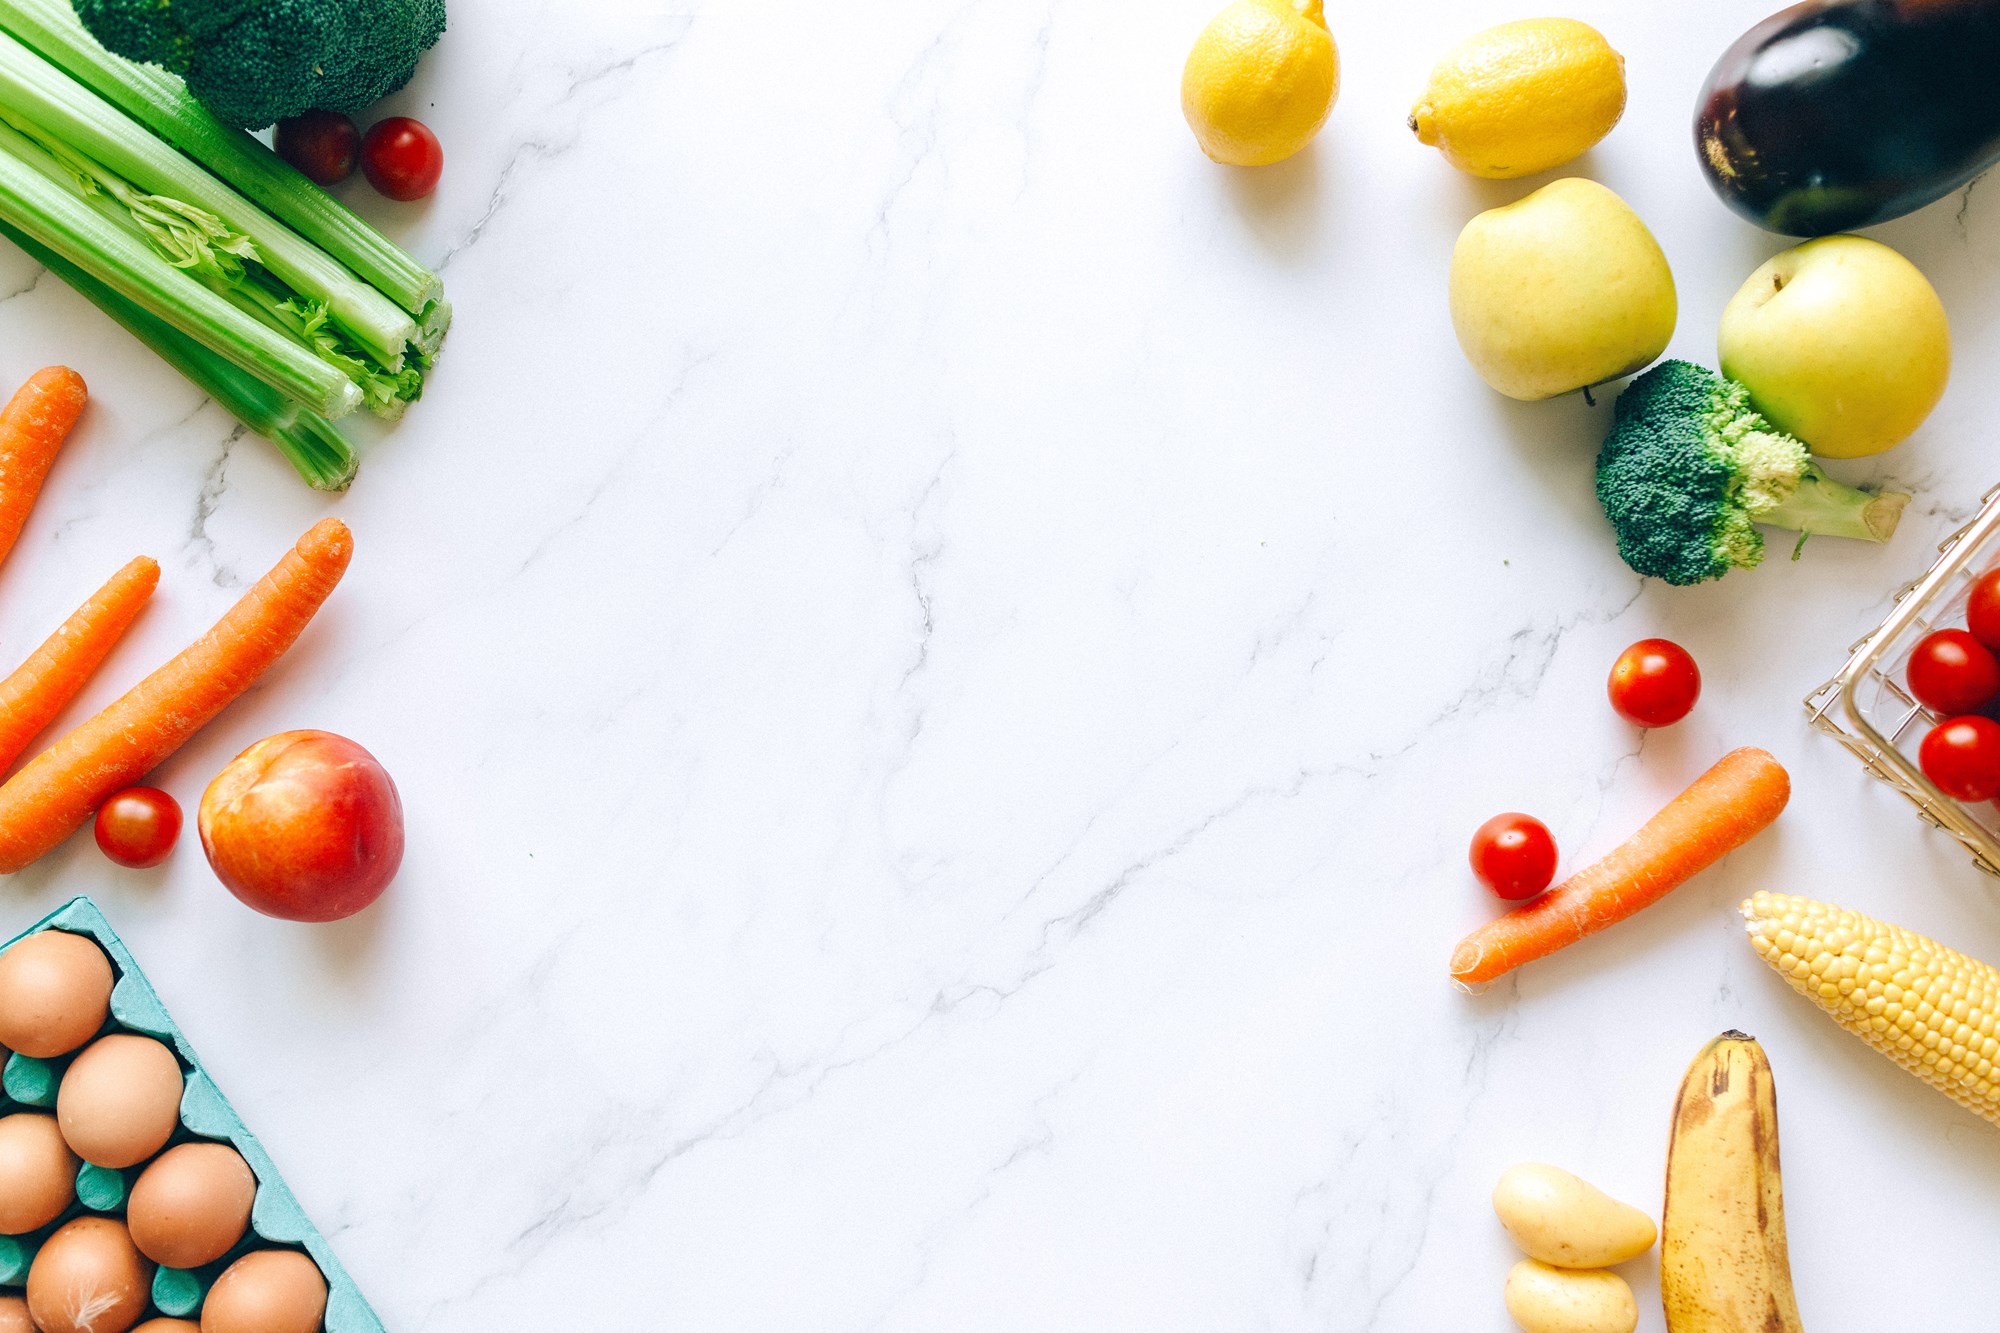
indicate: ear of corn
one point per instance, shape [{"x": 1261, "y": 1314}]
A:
[{"x": 1932, "y": 1010}]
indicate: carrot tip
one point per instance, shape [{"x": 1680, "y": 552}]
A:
[
  {"x": 59, "y": 376},
  {"x": 329, "y": 537}
]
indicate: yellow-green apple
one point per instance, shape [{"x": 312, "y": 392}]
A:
[
  {"x": 1840, "y": 341},
  {"x": 1559, "y": 290},
  {"x": 304, "y": 825}
]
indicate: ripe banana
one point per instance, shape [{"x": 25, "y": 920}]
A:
[{"x": 1724, "y": 1266}]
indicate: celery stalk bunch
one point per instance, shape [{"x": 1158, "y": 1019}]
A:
[{"x": 277, "y": 301}]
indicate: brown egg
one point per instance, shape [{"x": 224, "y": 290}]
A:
[
  {"x": 191, "y": 1205},
  {"x": 266, "y": 1291},
  {"x": 55, "y": 989},
  {"x": 14, "y": 1316},
  {"x": 157, "y": 1326},
  {"x": 37, "y": 1173},
  {"x": 120, "y": 1101},
  {"x": 88, "y": 1278}
]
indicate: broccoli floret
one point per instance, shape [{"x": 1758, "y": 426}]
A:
[
  {"x": 252, "y": 62},
  {"x": 1690, "y": 469}
]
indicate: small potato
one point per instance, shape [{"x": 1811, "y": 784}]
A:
[
  {"x": 1567, "y": 1222},
  {"x": 1546, "y": 1299}
]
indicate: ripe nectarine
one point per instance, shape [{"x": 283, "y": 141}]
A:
[{"x": 305, "y": 825}]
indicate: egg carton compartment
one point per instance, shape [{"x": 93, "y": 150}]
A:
[
  {"x": 1870, "y": 711},
  {"x": 276, "y": 1219}
]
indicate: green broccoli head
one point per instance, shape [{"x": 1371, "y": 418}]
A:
[
  {"x": 1690, "y": 469},
  {"x": 138, "y": 30},
  {"x": 1685, "y": 471},
  {"x": 252, "y": 62}
]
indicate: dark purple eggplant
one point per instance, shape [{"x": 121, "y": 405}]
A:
[{"x": 1837, "y": 114}]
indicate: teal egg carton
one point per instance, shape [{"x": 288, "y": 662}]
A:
[{"x": 276, "y": 1219}]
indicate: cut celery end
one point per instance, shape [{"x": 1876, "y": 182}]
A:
[
  {"x": 321, "y": 453},
  {"x": 432, "y": 325},
  {"x": 159, "y": 101},
  {"x": 310, "y": 443},
  {"x": 53, "y": 216},
  {"x": 305, "y": 328}
]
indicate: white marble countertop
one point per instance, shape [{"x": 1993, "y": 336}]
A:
[{"x": 942, "y": 651}]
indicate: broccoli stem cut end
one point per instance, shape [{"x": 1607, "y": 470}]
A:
[{"x": 1823, "y": 507}]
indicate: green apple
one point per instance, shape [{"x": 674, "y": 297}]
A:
[
  {"x": 1842, "y": 342},
  {"x": 1559, "y": 290}
]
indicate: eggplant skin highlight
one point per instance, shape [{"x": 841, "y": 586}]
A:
[{"x": 1837, "y": 114}]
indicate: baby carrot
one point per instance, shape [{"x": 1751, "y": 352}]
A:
[
  {"x": 39, "y": 689},
  {"x": 59, "y": 789},
  {"x": 33, "y": 426},
  {"x": 1725, "y": 807}
]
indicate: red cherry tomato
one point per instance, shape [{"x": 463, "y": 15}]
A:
[
  {"x": 138, "y": 827},
  {"x": 1962, "y": 757},
  {"x": 1951, "y": 672},
  {"x": 323, "y": 144},
  {"x": 402, "y": 158},
  {"x": 1982, "y": 610},
  {"x": 1514, "y": 855},
  {"x": 1654, "y": 683}
]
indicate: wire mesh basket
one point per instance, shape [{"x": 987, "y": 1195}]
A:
[{"x": 1868, "y": 709}]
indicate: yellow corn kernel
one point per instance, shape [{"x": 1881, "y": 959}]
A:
[{"x": 1931, "y": 1009}]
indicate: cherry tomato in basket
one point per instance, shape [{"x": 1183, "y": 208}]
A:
[
  {"x": 138, "y": 827},
  {"x": 1951, "y": 672},
  {"x": 402, "y": 158},
  {"x": 1962, "y": 757},
  {"x": 1514, "y": 855},
  {"x": 1982, "y": 610},
  {"x": 1654, "y": 683},
  {"x": 322, "y": 144}
]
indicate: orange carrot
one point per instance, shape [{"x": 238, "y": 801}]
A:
[
  {"x": 59, "y": 789},
  {"x": 34, "y": 694},
  {"x": 1725, "y": 808},
  {"x": 33, "y": 426}
]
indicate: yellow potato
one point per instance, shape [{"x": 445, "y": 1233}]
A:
[
  {"x": 1546, "y": 1299},
  {"x": 1567, "y": 1222}
]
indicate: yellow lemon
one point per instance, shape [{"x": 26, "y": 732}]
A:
[
  {"x": 1260, "y": 80},
  {"x": 1522, "y": 97}
]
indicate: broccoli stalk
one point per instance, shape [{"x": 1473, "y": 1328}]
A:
[
  {"x": 1822, "y": 507},
  {"x": 1690, "y": 469}
]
